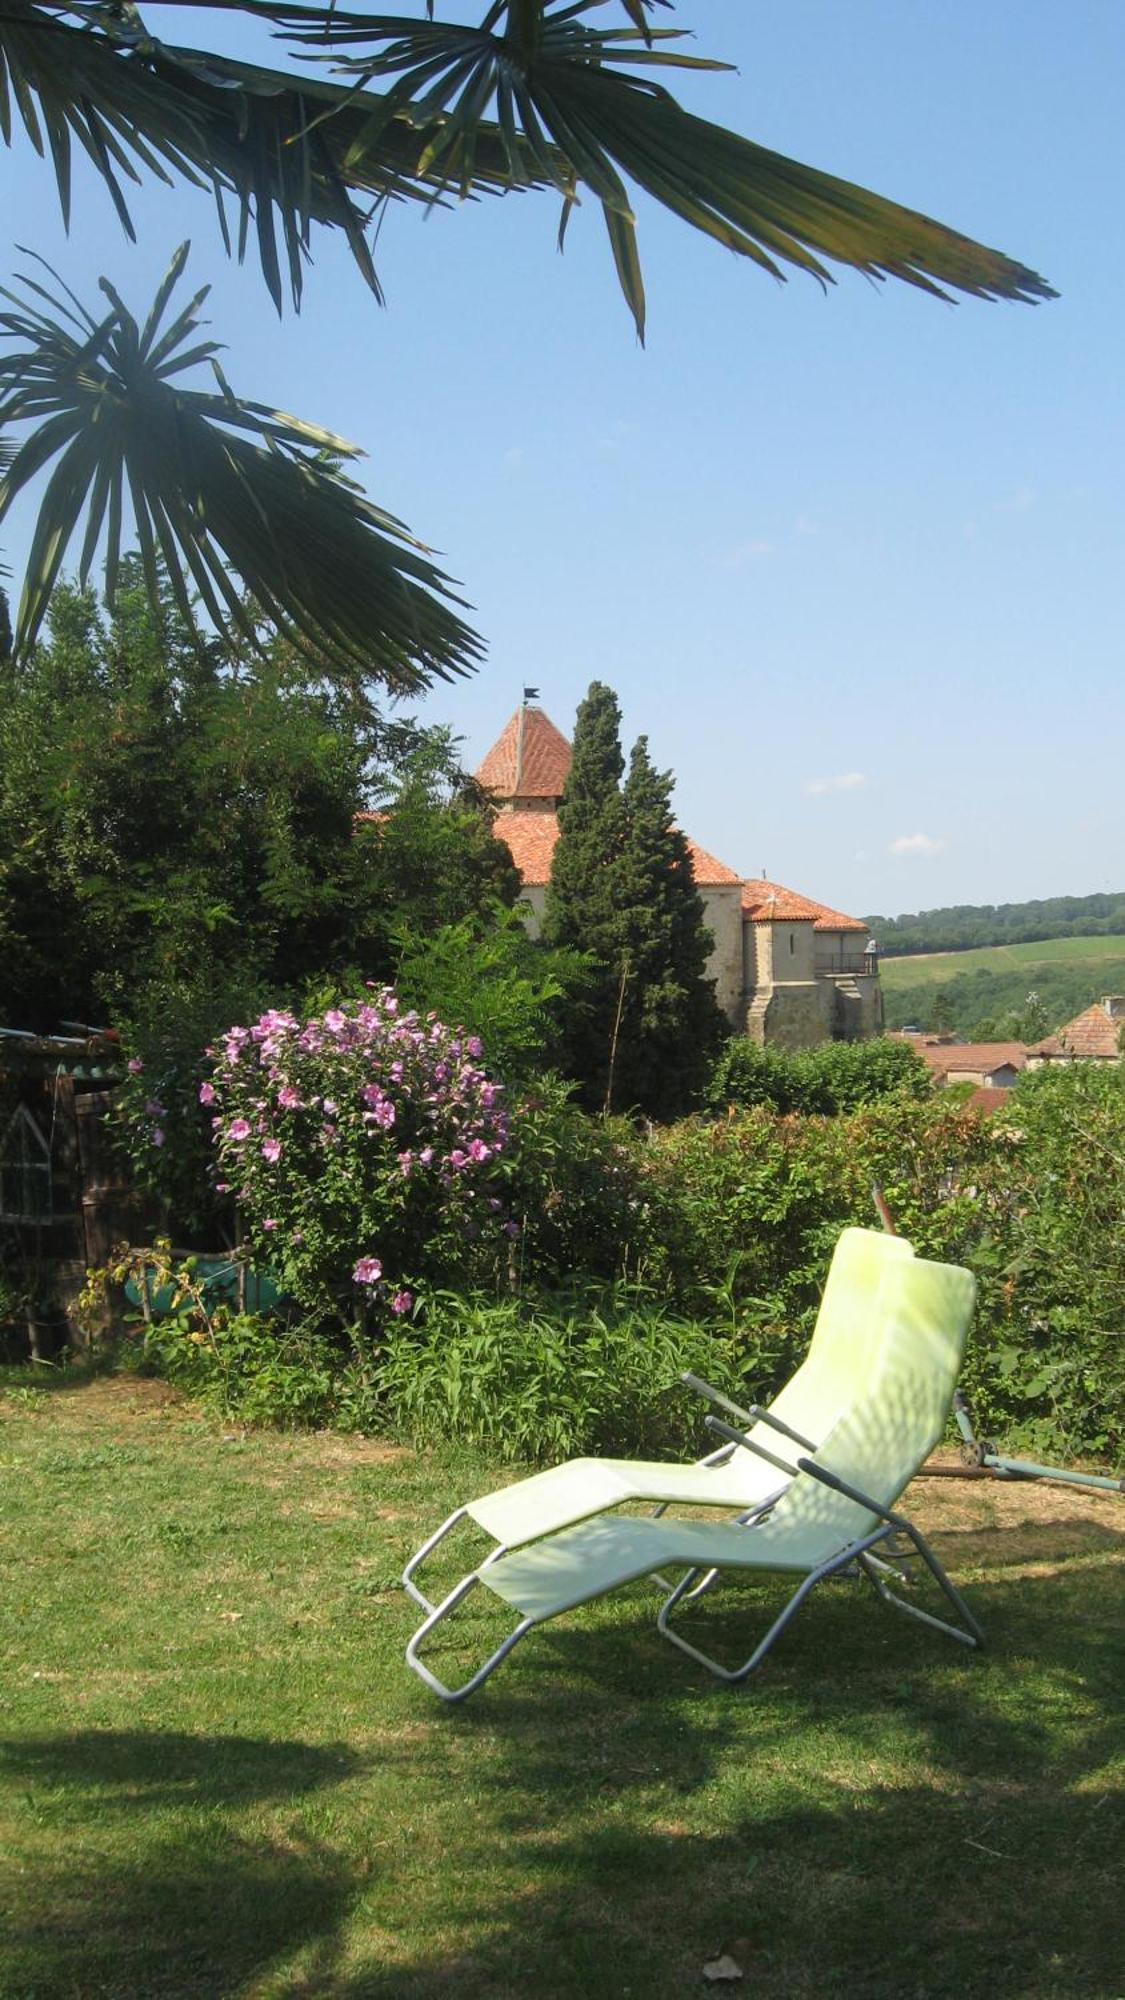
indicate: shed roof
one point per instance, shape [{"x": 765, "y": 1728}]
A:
[
  {"x": 947, "y": 1058},
  {"x": 1091, "y": 1033}
]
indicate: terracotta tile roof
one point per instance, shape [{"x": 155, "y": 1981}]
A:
[
  {"x": 768, "y": 902},
  {"x": 947, "y": 1058},
  {"x": 709, "y": 873},
  {"x": 1091, "y": 1033},
  {"x": 988, "y": 1097},
  {"x": 530, "y": 838},
  {"x": 545, "y": 759}
]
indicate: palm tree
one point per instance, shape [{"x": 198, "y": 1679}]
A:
[
  {"x": 535, "y": 96},
  {"x": 5, "y": 620}
]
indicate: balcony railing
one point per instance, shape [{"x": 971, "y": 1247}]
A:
[{"x": 849, "y": 967}]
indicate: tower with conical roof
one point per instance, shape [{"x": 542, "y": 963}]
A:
[{"x": 786, "y": 970}]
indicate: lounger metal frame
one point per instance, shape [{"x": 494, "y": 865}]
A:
[
  {"x": 894, "y": 1527},
  {"x": 719, "y": 1457}
]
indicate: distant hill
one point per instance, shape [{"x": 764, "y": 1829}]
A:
[
  {"x": 984, "y": 993},
  {"x": 965, "y": 926}
]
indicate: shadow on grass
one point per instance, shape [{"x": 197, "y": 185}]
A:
[
  {"x": 886, "y": 1816},
  {"x": 143, "y": 1883}
]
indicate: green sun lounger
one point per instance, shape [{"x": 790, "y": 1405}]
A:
[
  {"x": 836, "y": 1510},
  {"x": 841, "y": 1356}
]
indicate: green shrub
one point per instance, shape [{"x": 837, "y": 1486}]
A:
[
  {"x": 251, "y": 1369},
  {"x": 552, "y": 1380},
  {"x": 838, "y": 1076},
  {"x": 579, "y": 1190}
]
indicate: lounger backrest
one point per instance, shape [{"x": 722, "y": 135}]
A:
[
  {"x": 892, "y": 1426},
  {"x": 844, "y": 1349}
]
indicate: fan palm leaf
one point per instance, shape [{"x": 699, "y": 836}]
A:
[
  {"x": 222, "y": 492},
  {"x": 534, "y": 95},
  {"x": 555, "y": 86},
  {"x": 91, "y": 80}
]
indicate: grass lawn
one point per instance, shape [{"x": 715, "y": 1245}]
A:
[{"x": 219, "y": 1779}]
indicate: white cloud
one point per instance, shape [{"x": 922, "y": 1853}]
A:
[
  {"x": 916, "y": 843},
  {"x": 846, "y": 781},
  {"x": 1019, "y": 502},
  {"x": 744, "y": 552}
]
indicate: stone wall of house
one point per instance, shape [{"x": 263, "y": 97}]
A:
[
  {"x": 722, "y": 913},
  {"x": 797, "y": 1015},
  {"x": 858, "y": 1007},
  {"x": 535, "y": 895}
]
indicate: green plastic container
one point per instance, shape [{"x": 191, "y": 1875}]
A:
[{"x": 218, "y": 1280}]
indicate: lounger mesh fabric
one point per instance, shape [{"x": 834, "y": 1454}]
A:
[
  {"x": 878, "y": 1445},
  {"x": 841, "y": 1357}
]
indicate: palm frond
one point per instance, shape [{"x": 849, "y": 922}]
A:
[
  {"x": 533, "y": 96},
  {"x": 220, "y": 489},
  {"x": 90, "y": 80},
  {"x": 556, "y": 88}
]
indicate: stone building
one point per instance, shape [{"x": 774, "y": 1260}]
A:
[{"x": 787, "y": 970}]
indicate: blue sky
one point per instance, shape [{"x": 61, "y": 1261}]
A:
[{"x": 853, "y": 562}]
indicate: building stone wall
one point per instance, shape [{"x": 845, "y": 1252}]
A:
[
  {"x": 534, "y": 894},
  {"x": 794, "y": 1016},
  {"x": 722, "y": 914}
]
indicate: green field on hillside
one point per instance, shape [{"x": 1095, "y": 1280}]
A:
[
  {"x": 938, "y": 967},
  {"x": 991, "y": 982}
]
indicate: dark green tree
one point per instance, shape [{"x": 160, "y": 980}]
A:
[
  {"x": 622, "y": 889},
  {"x": 426, "y": 856},
  {"x": 671, "y": 1025},
  {"x": 583, "y": 897},
  {"x": 169, "y": 813},
  {"x": 941, "y": 1013}
]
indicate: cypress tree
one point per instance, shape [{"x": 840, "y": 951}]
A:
[
  {"x": 583, "y": 905},
  {"x": 671, "y": 1025},
  {"x": 623, "y": 889}
]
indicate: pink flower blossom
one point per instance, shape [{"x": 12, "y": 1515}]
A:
[
  {"x": 270, "y": 1222},
  {"x": 157, "y": 1136},
  {"x": 288, "y": 1098},
  {"x": 271, "y": 1150},
  {"x": 207, "y": 1093},
  {"x": 134, "y": 1065},
  {"x": 402, "y": 1302},
  {"x": 238, "y": 1129},
  {"x": 368, "y": 1271}
]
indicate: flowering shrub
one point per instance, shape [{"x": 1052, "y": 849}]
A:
[{"x": 361, "y": 1147}]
